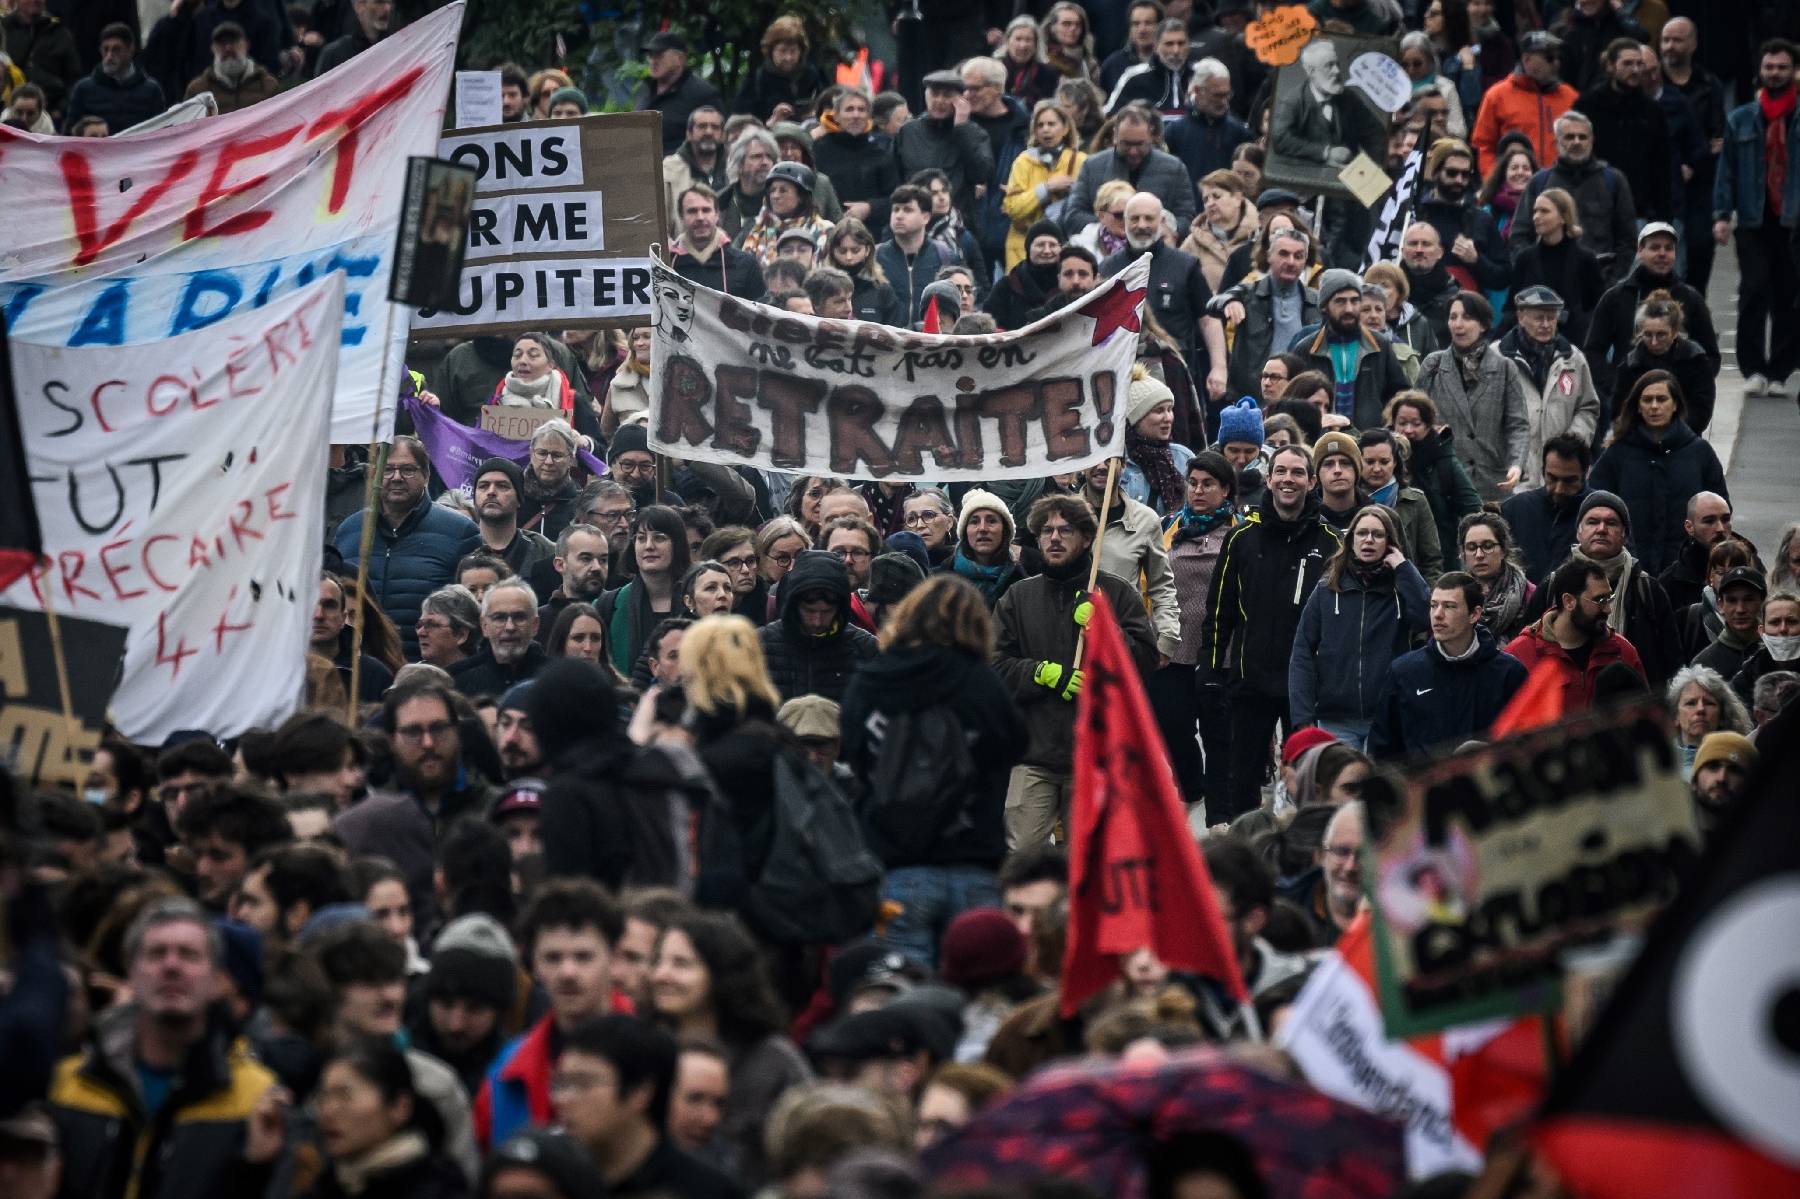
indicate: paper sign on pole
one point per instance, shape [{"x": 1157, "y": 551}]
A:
[
  {"x": 182, "y": 493},
  {"x": 1488, "y": 865},
  {"x": 747, "y": 384},
  {"x": 565, "y": 214},
  {"x": 477, "y": 98},
  {"x": 126, "y": 241}
]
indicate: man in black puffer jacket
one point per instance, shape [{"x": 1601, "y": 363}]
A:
[
  {"x": 813, "y": 649},
  {"x": 863, "y": 171}
]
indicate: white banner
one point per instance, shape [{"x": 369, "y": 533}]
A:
[
  {"x": 182, "y": 493},
  {"x": 747, "y": 384},
  {"x": 1335, "y": 1036},
  {"x": 122, "y": 241}
]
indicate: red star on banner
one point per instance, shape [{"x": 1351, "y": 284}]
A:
[{"x": 1117, "y": 309}]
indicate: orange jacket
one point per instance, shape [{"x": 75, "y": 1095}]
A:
[{"x": 1518, "y": 103}]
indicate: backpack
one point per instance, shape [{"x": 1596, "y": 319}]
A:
[
  {"x": 820, "y": 884},
  {"x": 920, "y": 786}
]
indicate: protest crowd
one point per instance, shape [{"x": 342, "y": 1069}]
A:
[{"x": 657, "y": 826}]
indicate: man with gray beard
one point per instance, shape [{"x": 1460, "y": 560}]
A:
[
  {"x": 1178, "y": 293},
  {"x": 234, "y": 79}
]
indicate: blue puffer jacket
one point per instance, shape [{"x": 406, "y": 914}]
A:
[
  {"x": 1740, "y": 185},
  {"x": 1345, "y": 642},
  {"x": 409, "y": 563},
  {"x": 1430, "y": 702}
]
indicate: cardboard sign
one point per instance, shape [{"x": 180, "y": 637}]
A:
[
  {"x": 1276, "y": 39},
  {"x": 1487, "y": 866},
  {"x": 564, "y": 217},
  {"x": 747, "y": 384},
  {"x": 515, "y": 424},
  {"x": 1366, "y": 182},
  {"x": 34, "y": 737}
]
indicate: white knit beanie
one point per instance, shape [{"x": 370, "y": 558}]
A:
[
  {"x": 1145, "y": 393},
  {"x": 975, "y": 500}
]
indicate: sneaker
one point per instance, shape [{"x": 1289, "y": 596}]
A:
[
  {"x": 1778, "y": 387},
  {"x": 1756, "y": 385}
]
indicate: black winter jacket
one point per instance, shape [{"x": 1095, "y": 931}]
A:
[
  {"x": 1610, "y": 327},
  {"x": 861, "y": 170},
  {"x": 1430, "y": 702},
  {"x": 122, "y": 103},
  {"x": 482, "y": 675},
  {"x": 1692, "y": 369},
  {"x": 764, "y": 88},
  {"x": 1656, "y": 478},
  {"x": 1542, "y": 530},
  {"x": 800, "y": 663},
  {"x": 962, "y": 152},
  {"x": 729, "y": 270},
  {"x": 1267, "y": 569},
  {"x": 920, "y": 677}
]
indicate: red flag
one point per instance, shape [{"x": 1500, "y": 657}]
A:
[
  {"x": 1136, "y": 879},
  {"x": 1537, "y": 703},
  {"x": 929, "y": 322}
]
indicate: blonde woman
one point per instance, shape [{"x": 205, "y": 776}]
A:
[
  {"x": 1041, "y": 176},
  {"x": 1227, "y": 220},
  {"x": 1106, "y": 236}
]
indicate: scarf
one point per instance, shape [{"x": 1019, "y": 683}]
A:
[
  {"x": 1618, "y": 573},
  {"x": 1469, "y": 362},
  {"x": 1158, "y": 465},
  {"x": 989, "y": 580},
  {"x": 1190, "y": 524},
  {"x": 1775, "y": 113},
  {"x": 1386, "y": 495},
  {"x": 517, "y": 393},
  {"x": 1372, "y": 575},
  {"x": 357, "y": 1174},
  {"x": 1502, "y": 603}
]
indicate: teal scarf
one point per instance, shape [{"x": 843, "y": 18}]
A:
[{"x": 989, "y": 580}]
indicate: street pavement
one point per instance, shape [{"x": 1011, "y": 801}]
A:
[{"x": 1756, "y": 437}]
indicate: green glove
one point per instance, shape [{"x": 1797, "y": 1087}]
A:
[
  {"x": 1074, "y": 687},
  {"x": 1084, "y": 609},
  {"x": 1049, "y": 674}
]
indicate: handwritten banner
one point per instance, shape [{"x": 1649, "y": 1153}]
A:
[
  {"x": 565, "y": 214},
  {"x": 747, "y": 384},
  {"x": 1276, "y": 39},
  {"x": 1489, "y": 865},
  {"x": 182, "y": 493},
  {"x": 123, "y": 241}
]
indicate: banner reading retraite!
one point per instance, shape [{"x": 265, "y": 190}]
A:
[
  {"x": 182, "y": 493},
  {"x": 125, "y": 241},
  {"x": 565, "y": 214},
  {"x": 747, "y": 384}
]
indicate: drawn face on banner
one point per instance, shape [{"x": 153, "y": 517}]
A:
[{"x": 673, "y": 301}]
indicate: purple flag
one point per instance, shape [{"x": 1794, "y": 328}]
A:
[{"x": 457, "y": 450}]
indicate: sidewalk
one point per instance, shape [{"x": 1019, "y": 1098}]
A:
[{"x": 1756, "y": 437}]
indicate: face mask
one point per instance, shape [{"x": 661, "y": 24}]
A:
[
  {"x": 97, "y": 796},
  {"x": 1782, "y": 649}
]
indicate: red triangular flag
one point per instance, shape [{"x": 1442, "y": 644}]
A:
[
  {"x": 929, "y": 322},
  {"x": 1537, "y": 703},
  {"x": 1136, "y": 878}
]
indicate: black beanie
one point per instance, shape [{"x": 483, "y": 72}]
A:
[
  {"x": 469, "y": 974},
  {"x": 571, "y": 701},
  {"x": 630, "y": 437},
  {"x": 507, "y": 467},
  {"x": 1044, "y": 229}
]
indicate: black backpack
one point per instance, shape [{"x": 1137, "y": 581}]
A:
[
  {"x": 920, "y": 786},
  {"x": 820, "y": 884}
]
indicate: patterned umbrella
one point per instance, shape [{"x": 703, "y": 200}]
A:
[{"x": 1091, "y": 1122}]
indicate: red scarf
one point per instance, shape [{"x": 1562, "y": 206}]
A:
[{"x": 1775, "y": 111}]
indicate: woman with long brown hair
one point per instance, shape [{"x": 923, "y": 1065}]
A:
[{"x": 1656, "y": 464}]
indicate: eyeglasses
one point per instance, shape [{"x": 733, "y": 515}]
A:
[
  {"x": 612, "y": 516},
  {"x": 1116, "y": 213},
  {"x": 783, "y": 560},
  {"x": 925, "y": 518},
  {"x": 508, "y": 617},
  {"x": 549, "y": 455},
  {"x": 433, "y": 625},
  {"x": 847, "y": 554},
  {"x": 747, "y": 562},
  {"x": 1369, "y": 534},
  {"x": 418, "y": 734},
  {"x": 170, "y": 792},
  {"x": 1453, "y": 172},
  {"x": 1480, "y": 547},
  {"x": 400, "y": 472},
  {"x": 1341, "y": 853}
]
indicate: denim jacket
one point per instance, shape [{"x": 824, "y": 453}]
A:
[{"x": 1740, "y": 185}]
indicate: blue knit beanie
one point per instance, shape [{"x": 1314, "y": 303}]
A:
[{"x": 1241, "y": 422}]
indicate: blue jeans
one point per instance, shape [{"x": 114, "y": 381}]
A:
[{"x": 930, "y": 897}]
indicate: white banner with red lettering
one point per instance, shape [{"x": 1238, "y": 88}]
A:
[
  {"x": 182, "y": 493},
  {"x": 123, "y": 241}
]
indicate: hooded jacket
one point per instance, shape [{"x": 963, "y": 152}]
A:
[
  {"x": 1266, "y": 571},
  {"x": 409, "y": 562},
  {"x": 1429, "y": 702},
  {"x": 1516, "y": 104},
  {"x": 1345, "y": 642},
  {"x": 917, "y": 678},
  {"x": 194, "y": 1147},
  {"x": 799, "y": 662},
  {"x": 1694, "y": 371},
  {"x": 1656, "y": 478},
  {"x": 1611, "y": 326},
  {"x": 1035, "y": 622},
  {"x": 1492, "y": 422}
]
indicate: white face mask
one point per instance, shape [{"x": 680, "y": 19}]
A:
[
  {"x": 97, "y": 796},
  {"x": 1782, "y": 649}
]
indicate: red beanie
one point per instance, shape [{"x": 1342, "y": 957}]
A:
[
  {"x": 980, "y": 947},
  {"x": 1298, "y": 743}
]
